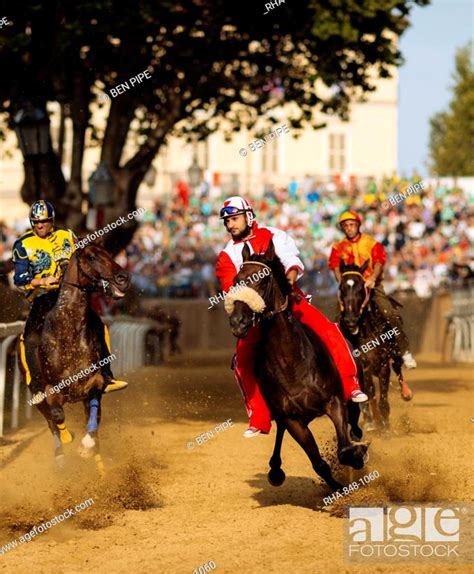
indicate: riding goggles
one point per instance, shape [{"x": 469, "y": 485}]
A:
[{"x": 230, "y": 210}]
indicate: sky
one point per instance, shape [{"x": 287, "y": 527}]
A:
[{"x": 429, "y": 47}]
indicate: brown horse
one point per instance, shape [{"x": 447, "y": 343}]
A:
[
  {"x": 364, "y": 325},
  {"x": 297, "y": 375},
  {"x": 70, "y": 349}
]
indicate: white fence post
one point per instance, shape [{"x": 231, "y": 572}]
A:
[{"x": 8, "y": 333}]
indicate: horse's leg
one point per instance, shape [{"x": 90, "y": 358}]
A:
[
  {"x": 58, "y": 418},
  {"x": 90, "y": 441},
  {"x": 370, "y": 408},
  {"x": 276, "y": 476},
  {"x": 349, "y": 454},
  {"x": 305, "y": 439},
  {"x": 405, "y": 391},
  {"x": 353, "y": 414},
  {"x": 353, "y": 409},
  {"x": 384, "y": 381},
  {"x": 58, "y": 451}
]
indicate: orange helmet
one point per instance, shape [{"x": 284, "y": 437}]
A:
[{"x": 349, "y": 215}]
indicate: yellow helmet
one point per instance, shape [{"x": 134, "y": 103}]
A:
[{"x": 349, "y": 215}]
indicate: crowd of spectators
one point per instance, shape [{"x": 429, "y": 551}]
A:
[{"x": 428, "y": 236}]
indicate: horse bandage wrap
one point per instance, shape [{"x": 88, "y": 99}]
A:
[{"x": 246, "y": 295}]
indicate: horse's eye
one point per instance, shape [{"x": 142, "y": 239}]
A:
[{"x": 91, "y": 258}]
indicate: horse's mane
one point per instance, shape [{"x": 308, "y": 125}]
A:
[{"x": 278, "y": 272}]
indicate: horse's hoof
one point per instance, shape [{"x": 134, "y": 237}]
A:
[
  {"x": 366, "y": 457},
  {"x": 407, "y": 395},
  {"x": 88, "y": 441},
  {"x": 276, "y": 476},
  {"x": 405, "y": 392},
  {"x": 370, "y": 427}
]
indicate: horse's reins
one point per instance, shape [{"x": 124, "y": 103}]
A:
[
  {"x": 270, "y": 314},
  {"x": 367, "y": 292},
  {"x": 95, "y": 282}
]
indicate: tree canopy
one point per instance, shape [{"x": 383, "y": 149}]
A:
[
  {"x": 452, "y": 131},
  {"x": 209, "y": 60}
]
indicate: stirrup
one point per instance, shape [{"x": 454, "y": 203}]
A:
[{"x": 115, "y": 385}]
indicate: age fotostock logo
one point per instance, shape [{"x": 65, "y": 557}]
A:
[{"x": 410, "y": 534}]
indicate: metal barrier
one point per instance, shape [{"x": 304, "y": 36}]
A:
[
  {"x": 9, "y": 333},
  {"x": 461, "y": 325},
  {"x": 136, "y": 343}
]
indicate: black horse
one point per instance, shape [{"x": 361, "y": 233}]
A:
[
  {"x": 366, "y": 327},
  {"x": 70, "y": 348},
  {"x": 297, "y": 375}
]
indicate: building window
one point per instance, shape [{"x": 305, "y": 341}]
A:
[
  {"x": 270, "y": 157},
  {"x": 337, "y": 153}
]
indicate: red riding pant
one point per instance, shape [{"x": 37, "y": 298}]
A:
[{"x": 246, "y": 350}]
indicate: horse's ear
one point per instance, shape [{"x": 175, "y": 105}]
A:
[
  {"x": 270, "y": 252},
  {"x": 342, "y": 266},
  {"x": 99, "y": 241},
  {"x": 365, "y": 265},
  {"x": 89, "y": 239},
  {"x": 246, "y": 252}
]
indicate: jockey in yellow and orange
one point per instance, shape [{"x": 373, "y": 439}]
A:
[{"x": 355, "y": 249}]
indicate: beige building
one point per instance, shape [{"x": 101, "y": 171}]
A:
[{"x": 364, "y": 146}]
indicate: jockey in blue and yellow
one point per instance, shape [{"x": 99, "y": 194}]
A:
[{"x": 40, "y": 257}]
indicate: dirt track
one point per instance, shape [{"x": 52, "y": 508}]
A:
[{"x": 165, "y": 507}]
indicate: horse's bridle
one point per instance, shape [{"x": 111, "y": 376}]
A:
[
  {"x": 270, "y": 314},
  {"x": 88, "y": 288},
  {"x": 367, "y": 292}
]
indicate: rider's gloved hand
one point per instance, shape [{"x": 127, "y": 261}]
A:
[
  {"x": 62, "y": 264},
  {"x": 51, "y": 280},
  {"x": 370, "y": 282},
  {"x": 296, "y": 294}
]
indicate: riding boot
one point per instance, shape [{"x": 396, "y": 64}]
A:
[
  {"x": 257, "y": 409},
  {"x": 32, "y": 366},
  {"x": 30, "y": 343},
  {"x": 335, "y": 343},
  {"x": 102, "y": 333}
]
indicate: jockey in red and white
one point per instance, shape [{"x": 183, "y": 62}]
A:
[{"x": 239, "y": 220}]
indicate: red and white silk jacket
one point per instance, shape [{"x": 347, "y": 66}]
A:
[{"x": 230, "y": 258}]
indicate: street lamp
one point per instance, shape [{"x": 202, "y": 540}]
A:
[
  {"x": 101, "y": 186},
  {"x": 194, "y": 173},
  {"x": 101, "y": 189},
  {"x": 31, "y": 125},
  {"x": 32, "y": 129}
]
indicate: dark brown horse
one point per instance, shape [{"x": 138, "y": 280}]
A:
[
  {"x": 70, "y": 350},
  {"x": 366, "y": 327},
  {"x": 297, "y": 375}
]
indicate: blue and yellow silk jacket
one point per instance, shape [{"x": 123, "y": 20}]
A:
[{"x": 36, "y": 257}]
